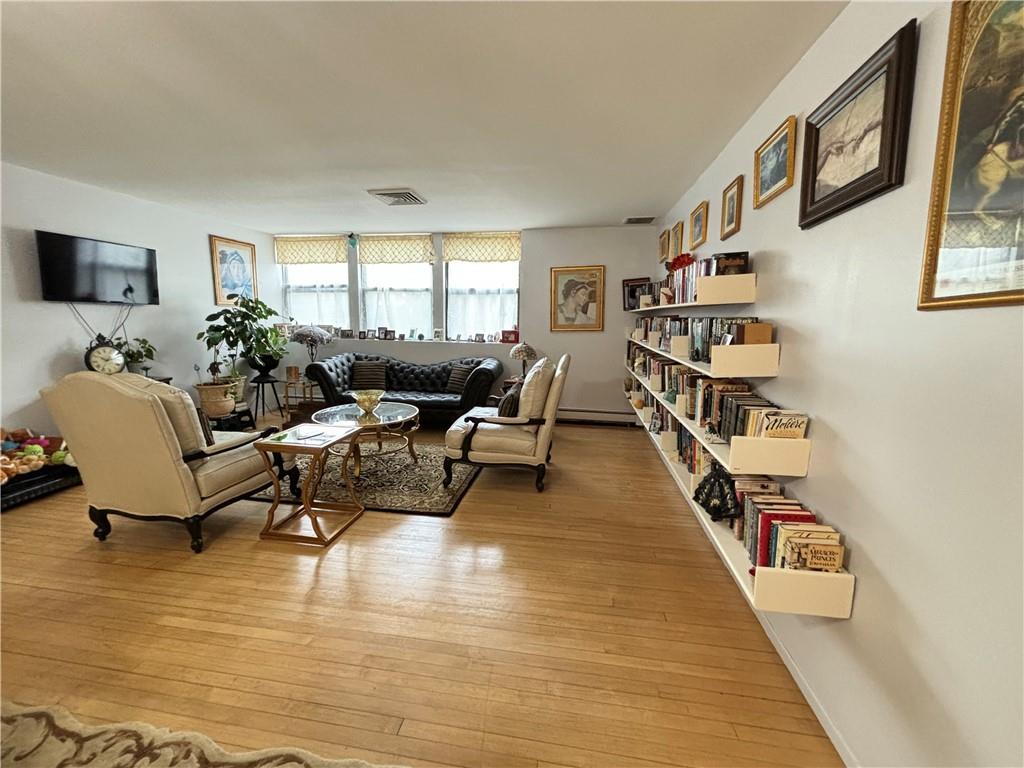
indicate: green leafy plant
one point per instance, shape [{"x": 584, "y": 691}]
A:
[
  {"x": 135, "y": 351},
  {"x": 241, "y": 331}
]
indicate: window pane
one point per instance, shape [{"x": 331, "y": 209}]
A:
[
  {"x": 483, "y": 297},
  {"x": 398, "y": 296},
  {"x": 317, "y": 294}
]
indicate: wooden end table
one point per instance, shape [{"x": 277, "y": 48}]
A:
[{"x": 315, "y": 441}]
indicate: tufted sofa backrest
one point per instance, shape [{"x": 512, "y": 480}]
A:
[{"x": 402, "y": 376}]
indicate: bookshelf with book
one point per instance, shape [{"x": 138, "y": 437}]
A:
[{"x": 713, "y": 430}]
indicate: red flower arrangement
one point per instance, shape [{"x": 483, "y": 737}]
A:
[{"x": 681, "y": 261}]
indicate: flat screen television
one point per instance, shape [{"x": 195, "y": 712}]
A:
[{"x": 79, "y": 269}]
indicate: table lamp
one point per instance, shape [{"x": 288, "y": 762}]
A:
[{"x": 523, "y": 351}]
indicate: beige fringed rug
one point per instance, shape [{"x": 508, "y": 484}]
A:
[{"x": 49, "y": 737}]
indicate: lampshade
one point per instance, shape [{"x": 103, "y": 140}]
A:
[{"x": 523, "y": 351}]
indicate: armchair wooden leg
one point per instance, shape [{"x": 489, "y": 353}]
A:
[
  {"x": 541, "y": 471},
  {"x": 550, "y": 446},
  {"x": 447, "y": 472},
  {"x": 99, "y": 517},
  {"x": 194, "y": 526}
]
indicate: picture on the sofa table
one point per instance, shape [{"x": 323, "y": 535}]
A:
[
  {"x": 234, "y": 269},
  {"x": 577, "y": 298}
]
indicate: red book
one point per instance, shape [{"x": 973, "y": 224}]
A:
[{"x": 764, "y": 529}]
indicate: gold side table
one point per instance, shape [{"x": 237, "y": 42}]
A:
[{"x": 315, "y": 441}]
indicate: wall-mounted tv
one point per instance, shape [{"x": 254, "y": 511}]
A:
[{"x": 79, "y": 269}]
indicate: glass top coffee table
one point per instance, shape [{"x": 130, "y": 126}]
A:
[{"x": 392, "y": 423}]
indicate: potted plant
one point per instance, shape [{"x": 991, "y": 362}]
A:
[
  {"x": 241, "y": 330},
  {"x": 216, "y": 397},
  {"x": 136, "y": 352}
]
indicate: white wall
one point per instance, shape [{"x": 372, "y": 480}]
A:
[
  {"x": 917, "y": 453},
  {"x": 42, "y": 341}
]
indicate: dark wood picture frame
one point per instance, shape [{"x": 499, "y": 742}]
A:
[
  {"x": 632, "y": 282},
  {"x": 897, "y": 59}
]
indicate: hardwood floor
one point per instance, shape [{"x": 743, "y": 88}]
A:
[{"x": 590, "y": 625}]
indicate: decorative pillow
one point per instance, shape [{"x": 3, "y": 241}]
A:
[
  {"x": 204, "y": 422},
  {"x": 535, "y": 389},
  {"x": 458, "y": 377},
  {"x": 369, "y": 374},
  {"x": 509, "y": 404}
]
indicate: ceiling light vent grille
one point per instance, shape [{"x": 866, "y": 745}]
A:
[
  {"x": 639, "y": 220},
  {"x": 400, "y": 196}
]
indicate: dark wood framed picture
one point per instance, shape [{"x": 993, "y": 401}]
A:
[
  {"x": 974, "y": 249},
  {"x": 699, "y": 224},
  {"x": 631, "y": 292},
  {"x": 732, "y": 208},
  {"x": 855, "y": 143}
]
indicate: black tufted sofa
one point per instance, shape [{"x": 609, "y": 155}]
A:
[{"x": 422, "y": 385}]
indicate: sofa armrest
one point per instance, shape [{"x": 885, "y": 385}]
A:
[
  {"x": 241, "y": 440},
  {"x": 480, "y": 382},
  {"x": 325, "y": 374}
]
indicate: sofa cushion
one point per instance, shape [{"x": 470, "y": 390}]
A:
[
  {"x": 427, "y": 400},
  {"x": 458, "y": 377},
  {"x": 178, "y": 406},
  {"x": 369, "y": 374},
  {"x": 224, "y": 470},
  {"x": 494, "y": 438},
  {"x": 535, "y": 389}
]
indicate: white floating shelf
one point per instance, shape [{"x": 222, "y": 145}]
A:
[
  {"x": 744, "y": 455},
  {"x": 744, "y": 361},
  {"x": 779, "y": 590},
  {"x": 717, "y": 290}
]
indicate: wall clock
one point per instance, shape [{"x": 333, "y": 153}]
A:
[{"x": 104, "y": 357}]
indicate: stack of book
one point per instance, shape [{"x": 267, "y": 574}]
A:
[
  {"x": 680, "y": 286},
  {"x": 779, "y": 532}
]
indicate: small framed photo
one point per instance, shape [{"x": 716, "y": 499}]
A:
[
  {"x": 632, "y": 288},
  {"x": 664, "y": 246},
  {"x": 389, "y": 335},
  {"x": 327, "y": 329},
  {"x": 438, "y": 334},
  {"x": 774, "y": 161},
  {"x": 362, "y": 334},
  {"x": 479, "y": 337},
  {"x": 345, "y": 333},
  {"x": 382, "y": 332},
  {"x": 401, "y": 337},
  {"x": 510, "y": 337},
  {"x": 699, "y": 225},
  {"x": 677, "y": 238},
  {"x": 727, "y": 339},
  {"x": 371, "y": 334},
  {"x": 732, "y": 204},
  {"x": 285, "y": 329}
]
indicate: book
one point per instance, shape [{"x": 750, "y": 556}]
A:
[
  {"x": 764, "y": 523},
  {"x": 782, "y": 424},
  {"x": 814, "y": 556},
  {"x": 732, "y": 263},
  {"x": 783, "y": 531}
]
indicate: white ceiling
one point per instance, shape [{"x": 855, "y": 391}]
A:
[{"x": 279, "y": 116}]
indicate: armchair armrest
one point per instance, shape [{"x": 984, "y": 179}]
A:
[
  {"x": 243, "y": 439},
  {"x": 522, "y": 421},
  {"x": 479, "y": 384}
]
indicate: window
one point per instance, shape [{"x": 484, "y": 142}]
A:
[
  {"x": 482, "y": 282},
  {"x": 317, "y": 294}
]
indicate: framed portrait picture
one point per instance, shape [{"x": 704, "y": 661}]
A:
[
  {"x": 973, "y": 251},
  {"x": 631, "y": 290},
  {"x": 677, "y": 232},
  {"x": 774, "y": 161},
  {"x": 362, "y": 334},
  {"x": 663, "y": 246},
  {"x": 234, "y": 269},
  {"x": 577, "y": 298},
  {"x": 732, "y": 208},
  {"x": 855, "y": 143},
  {"x": 699, "y": 225}
]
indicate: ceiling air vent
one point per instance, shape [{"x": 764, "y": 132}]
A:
[
  {"x": 638, "y": 220},
  {"x": 400, "y": 196}
]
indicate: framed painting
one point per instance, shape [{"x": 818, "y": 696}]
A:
[
  {"x": 663, "y": 246},
  {"x": 973, "y": 252},
  {"x": 855, "y": 143},
  {"x": 732, "y": 205},
  {"x": 699, "y": 225},
  {"x": 677, "y": 231},
  {"x": 234, "y": 269},
  {"x": 577, "y": 298},
  {"x": 632, "y": 288},
  {"x": 774, "y": 162}
]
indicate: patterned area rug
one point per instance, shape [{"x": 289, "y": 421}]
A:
[
  {"x": 394, "y": 483},
  {"x": 48, "y": 737}
]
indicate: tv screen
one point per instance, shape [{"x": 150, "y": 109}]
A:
[{"x": 84, "y": 270}]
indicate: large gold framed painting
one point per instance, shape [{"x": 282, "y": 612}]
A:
[
  {"x": 974, "y": 255},
  {"x": 577, "y": 298}
]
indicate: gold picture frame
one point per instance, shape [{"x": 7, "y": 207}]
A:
[
  {"x": 663, "y": 245},
  {"x": 699, "y": 225},
  {"x": 677, "y": 231},
  {"x": 732, "y": 208},
  {"x": 957, "y": 223},
  {"x": 234, "y": 269},
  {"x": 577, "y": 298},
  {"x": 768, "y": 180}
]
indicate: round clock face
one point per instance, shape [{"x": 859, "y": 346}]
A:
[{"x": 104, "y": 358}]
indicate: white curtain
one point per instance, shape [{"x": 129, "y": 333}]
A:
[
  {"x": 399, "y": 296},
  {"x": 483, "y": 297},
  {"x": 317, "y": 294}
]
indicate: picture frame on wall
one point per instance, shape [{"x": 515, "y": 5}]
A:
[
  {"x": 663, "y": 246},
  {"x": 631, "y": 291},
  {"x": 577, "y": 298},
  {"x": 699, "y": 225},
  {"x": 973, "y": 251},
  {"x": 677, "y": 230},
  {"x": 855, "y": 143},
  {"x": 234, "y": 269},
  {"x": 732, "y": 208},
  {"x": 774, "y": 163}
]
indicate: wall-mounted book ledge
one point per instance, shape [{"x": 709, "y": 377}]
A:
[
  {"x": 716, "y": 290},
  {"x": 742, "y": 361}
]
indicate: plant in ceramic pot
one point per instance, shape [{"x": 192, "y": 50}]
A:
[
  {"x": 136, "y": 352},
  {"x": 216, "y": 397}
]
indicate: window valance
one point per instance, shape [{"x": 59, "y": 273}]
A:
[
  {"x": 396, "y": 249},
  {"x": 311, "y": 249},
  {"x": 482, "y": 246}
]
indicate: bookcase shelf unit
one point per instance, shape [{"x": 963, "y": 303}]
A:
[
  {"x": 730, "y": 361},
  {"x": 778, "y": 590},
  {"x": 717, "y": 290},
  {"x": 743, "y": 455}
]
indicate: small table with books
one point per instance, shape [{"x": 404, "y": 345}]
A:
[{"x": 304, "y": 524}]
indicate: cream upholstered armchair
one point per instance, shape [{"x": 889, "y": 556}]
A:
[
  {"x": 141, "y": 451},
  {"x": 483, "y": 438}
]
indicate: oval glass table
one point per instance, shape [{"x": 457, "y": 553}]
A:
[{"x": 391, "y": 426}]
